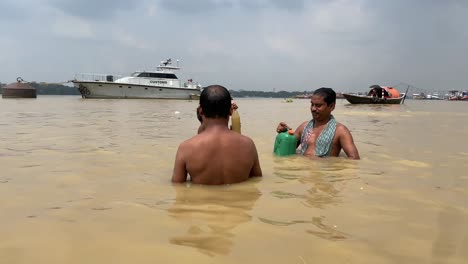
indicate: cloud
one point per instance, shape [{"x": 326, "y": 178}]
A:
[
  {"x": 127, "y": 39},
  {"x": 342, "y": 16},
  {"x": 193, "y": 7},
  {"x": 14, "y": 11},
  {"x": 151, "y": 10},
  {"x": 208, "y": 6},
  {"x": 96, "y": 10},
  {"x": 243, "y": 43},
  {"x": 288, "y": 4},
  {"x": 206, "y": 46},
  {"x": 73, "y": 27},
  {"x": 289, "y": 46}
]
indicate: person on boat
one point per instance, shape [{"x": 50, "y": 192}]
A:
[
  {"x": 378, "y": 91},
  {"x": 323, "y": 136},
  {"x": 202, "y": 127},
  {"x": 208, "y": 157}
]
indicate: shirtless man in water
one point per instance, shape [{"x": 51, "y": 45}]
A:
[
  {"x": 336, "y": 136},
  {"x": 216, "y": 155}
]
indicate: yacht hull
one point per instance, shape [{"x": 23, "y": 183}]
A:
[{"x": 114, "y": 90}]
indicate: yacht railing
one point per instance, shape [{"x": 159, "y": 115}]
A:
[{"x": 96, "y": 77}]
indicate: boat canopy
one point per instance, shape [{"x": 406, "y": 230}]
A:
[
  {"x": 383, "y": 91},
  {"x": 393, "y": 92}
]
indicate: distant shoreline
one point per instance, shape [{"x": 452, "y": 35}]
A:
[{"x": 59, "y": 89}]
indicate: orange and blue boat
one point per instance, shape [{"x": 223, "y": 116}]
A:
[{"x": 377, "y": 95}]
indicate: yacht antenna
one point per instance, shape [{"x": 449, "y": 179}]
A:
[{"x": 166, "y": 62}]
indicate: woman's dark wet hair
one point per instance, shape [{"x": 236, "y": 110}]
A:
[
  {"x": 329, "y": 96},
  {"x": 215, "y": 101}
]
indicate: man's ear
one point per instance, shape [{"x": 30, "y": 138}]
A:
[
  {"x": 332, "y": 106},
  {"x": 199, "y": 117},
  {"x": 200, "y": 111}
]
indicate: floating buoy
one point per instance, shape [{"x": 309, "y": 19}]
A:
[{"x": 20, "y": 89}]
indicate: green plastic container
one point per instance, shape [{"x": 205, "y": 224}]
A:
[{"x": 285, "y": 144}]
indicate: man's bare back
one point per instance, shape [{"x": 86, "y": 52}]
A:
[{"x": 216, "y": 155}]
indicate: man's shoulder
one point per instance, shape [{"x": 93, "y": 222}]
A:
[
  {"x": 190, "y": 142},
  {"x": 235, "y": 136},
  {"x": 246, "y": 139},
  {"x": 214, "y": 136},
  {"x": 303, "y": 124},
  {"x": 240, "y": 140},
  {"x": 340, "y": 125},
  {"x": 341, "y": 129}
]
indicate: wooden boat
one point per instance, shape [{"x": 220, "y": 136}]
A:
[
  {"x": 365, "y": 99},
  {"x": 378, "y": 95}
]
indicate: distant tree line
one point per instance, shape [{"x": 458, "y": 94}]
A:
[
  {"x": 51, "y": 88},
  {"x": 280, "y": 94},
  {"x": 54, "y": 88},
  {"x": 60, "y": 89}
]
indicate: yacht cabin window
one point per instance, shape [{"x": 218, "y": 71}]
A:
[{"x": 155, "y": 75}]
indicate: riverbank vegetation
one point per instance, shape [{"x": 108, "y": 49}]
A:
[{"x": 61, "y": 89}]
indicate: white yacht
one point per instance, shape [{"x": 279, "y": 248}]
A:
[
  {"x": 159, "y": 84},
  {"x": 434, "y": 96}
]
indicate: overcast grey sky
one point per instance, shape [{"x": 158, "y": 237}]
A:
[{"x": 243, "y": 44}]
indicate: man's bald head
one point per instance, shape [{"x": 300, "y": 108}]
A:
[{"x": 215, "y": 101}]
